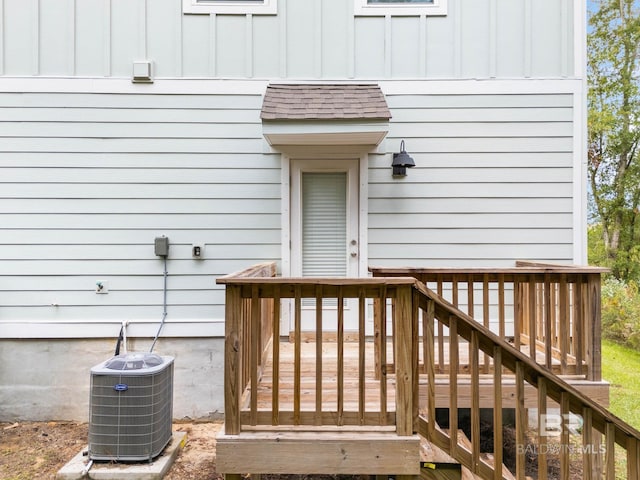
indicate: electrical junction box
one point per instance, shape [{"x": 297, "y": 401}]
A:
[{"x": 161, "y": 246}]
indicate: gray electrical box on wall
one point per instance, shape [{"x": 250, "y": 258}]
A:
[{"x": 162, "y": 246}]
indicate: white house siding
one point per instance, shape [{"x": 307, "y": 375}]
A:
[
  {"x": 87, "y": 181},
  {"x": 310, "y": 39},
  {"x": 489, "y": 100},
  {"x": 493, "y": 182}
]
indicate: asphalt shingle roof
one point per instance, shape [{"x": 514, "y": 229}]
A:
[{"x": 324, "y": 102}]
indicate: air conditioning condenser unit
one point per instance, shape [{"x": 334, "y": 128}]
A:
[{"x": 131, "y": 407}]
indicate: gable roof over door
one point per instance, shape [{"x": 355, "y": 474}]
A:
[
  {"x": 324, "y": 114},
  {"x": 324, "y": 102}
]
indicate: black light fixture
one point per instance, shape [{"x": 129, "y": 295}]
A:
[{"x": 402, "y": 161}]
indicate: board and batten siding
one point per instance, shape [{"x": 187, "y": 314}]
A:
[
  {"x": 312, "y": 39},
  {"x": 87, "y": 181},
  {"x": 493, "y": 182}
]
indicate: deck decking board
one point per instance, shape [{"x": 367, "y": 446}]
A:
[{"x": 340, "y": 395}]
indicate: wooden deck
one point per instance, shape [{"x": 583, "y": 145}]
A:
[
  {"x": 598, "y": 391},
  {"x": 371, "y": 406}
]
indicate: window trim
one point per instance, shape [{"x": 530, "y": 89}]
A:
[
  {"x": 255, "y": 7},
  {"x": 438, "y": 7}
]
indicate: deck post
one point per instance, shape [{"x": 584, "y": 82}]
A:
[
  {"x": 594, "y": 354},
  {"x": 232, "y": 360},
  {"x": 404, "y": 360}
]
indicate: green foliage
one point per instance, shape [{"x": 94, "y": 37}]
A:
[
  {"x": 626, "y": 260},
  {"x": 621, "y": 312},
  {"x": 597, "y": 253},
  {"x": 614, "y": 131}
]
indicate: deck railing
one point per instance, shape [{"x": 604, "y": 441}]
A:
[
  {"x": 551, "y": 312},
  {"x": 253, "y": 324},
  {"x": 254, "y": 299},
  {"x": 587, "y": 432},
  {"x": 254, "y": 302}
]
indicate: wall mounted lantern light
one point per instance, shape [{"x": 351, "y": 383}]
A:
[{"x": 402, "y": 161}]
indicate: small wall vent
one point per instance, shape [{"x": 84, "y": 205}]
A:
[{"x": 131, "y": 407}]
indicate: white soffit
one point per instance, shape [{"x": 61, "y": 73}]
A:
[{"x": 306, "y": 133}]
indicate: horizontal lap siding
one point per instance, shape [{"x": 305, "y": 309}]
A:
[
  {"x": 88, "y": 181},
  {"x": 493, "y": 182}
]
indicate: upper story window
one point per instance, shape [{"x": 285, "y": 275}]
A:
[
  {"x": 400, "y": 7},
  {"x": 265, "y": 7}
]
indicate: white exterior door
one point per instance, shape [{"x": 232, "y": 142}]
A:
[{"x": 324, "y": 231}]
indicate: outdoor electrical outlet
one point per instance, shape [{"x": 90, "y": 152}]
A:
[
  {"x": 102, "y": 287},
  {"x": 197, "y": 250}
]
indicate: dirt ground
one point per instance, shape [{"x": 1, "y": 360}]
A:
[{"x": 37, "y": 450}]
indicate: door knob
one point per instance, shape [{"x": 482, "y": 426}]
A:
[{"x": 354, "y": 248}]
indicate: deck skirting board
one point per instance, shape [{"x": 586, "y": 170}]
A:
[{"x": 347, "y": 452}]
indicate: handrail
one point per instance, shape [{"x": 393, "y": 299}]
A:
[
  {"x": 550, "y": 311},
  {"x": 551, "y": 388}
]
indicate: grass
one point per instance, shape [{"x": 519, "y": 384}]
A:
[{"x": 621, "y": 368}]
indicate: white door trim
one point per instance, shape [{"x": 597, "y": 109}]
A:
[
  {"x": 285, "y": 223},
  {"x": 285, "y": 208}
]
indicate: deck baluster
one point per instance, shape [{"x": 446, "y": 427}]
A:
[
  {"x": 440, "y": 332},
  {"x": 361, "y": 357},
  {"x": 542, "y": 438},
  {"x": 255, "y": 350},
  {"x": 340, "y": 353},
  {"x": 531, "y": 316},
  {"x": 547, "y": 337},
  {"x": 497, "y": 412},
  {"x": 382, "y": 341},
  {"x": 587, "y": 444},
  {"x": 521, "y": 422},
  {"x": 474, "y": 363},
  {"x": 485, "y": 316},
  {"x": 564, "y": 322},
  {"x": 519, "y": 311},
  {"x": 610, "y": 450},
  {"x": 318, "y": 414},
  {"x": 471, "y": 312},
  {"x": 565, "y": 459},
  {"x": 297, "y": 357},
  {"x": 454, "y": 366},
  {"x": 501, "y": 307},
  {"x": 275, "y": 347},
  {"x": 428, "y": 325}
]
